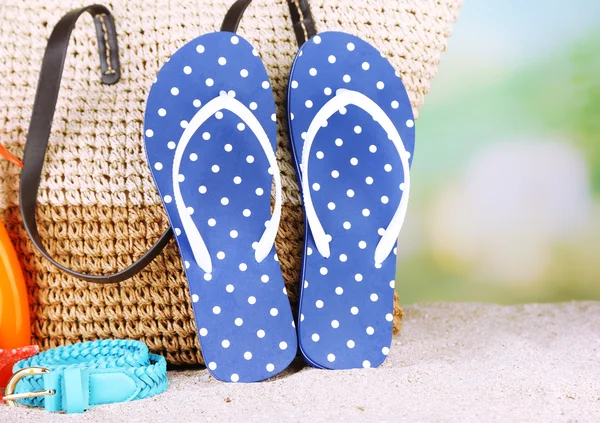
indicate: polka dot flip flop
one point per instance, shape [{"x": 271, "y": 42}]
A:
[
  {"x": 210, "y": 137},
  {"x": 352, "y": 133}
]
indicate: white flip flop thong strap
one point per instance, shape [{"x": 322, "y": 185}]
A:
[
  {"x": 344, "y": 98},
  {"x": 199, "y": 249}
]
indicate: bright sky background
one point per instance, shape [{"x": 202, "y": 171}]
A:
[{"x": 512, "y": 30}]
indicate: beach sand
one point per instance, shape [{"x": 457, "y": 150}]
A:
[{"x": 451, "y": 362}]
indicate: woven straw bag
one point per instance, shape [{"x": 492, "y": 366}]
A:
[{"x": 98, "y": 209}]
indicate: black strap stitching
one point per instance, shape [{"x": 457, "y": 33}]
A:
[{"x": 302, "y": 20}]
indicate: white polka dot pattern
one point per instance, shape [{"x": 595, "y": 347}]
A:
[
  {"x": 346, "y": 308},
  {"x": 243, "y": 315}
]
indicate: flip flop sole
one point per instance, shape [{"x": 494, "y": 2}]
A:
[
  {"x": 208, "y": 165},
  {"x": 356, "y": 184}
]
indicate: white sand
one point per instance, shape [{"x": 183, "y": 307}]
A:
[{"x": 452, "y": 362}]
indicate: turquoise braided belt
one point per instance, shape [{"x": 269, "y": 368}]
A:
[{"x": 80, "y": 376}]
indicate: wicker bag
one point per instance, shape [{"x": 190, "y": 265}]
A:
[{"x": 98, "y": 209}]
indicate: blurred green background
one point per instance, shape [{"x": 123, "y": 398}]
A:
[{"x": 505, "y": 203}]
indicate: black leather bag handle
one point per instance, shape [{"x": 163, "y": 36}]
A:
[
  {"x": 40, "y": 127},
  {"x": 234, "y": 15},
  {"x": 302, "y": 20},
  {"x": 44, "y": 107}
]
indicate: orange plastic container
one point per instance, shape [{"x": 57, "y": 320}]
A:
[{"x": 15, "y": 329}]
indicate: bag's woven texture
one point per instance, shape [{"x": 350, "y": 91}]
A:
[{"x": 98, "y": 207}]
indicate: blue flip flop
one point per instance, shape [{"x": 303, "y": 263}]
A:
[
  {"x": 352, "y": 133},
  {"x": 210, "y": 137}
]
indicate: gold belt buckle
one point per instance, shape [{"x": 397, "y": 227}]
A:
[{"x": 10, "y": 397}]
